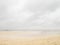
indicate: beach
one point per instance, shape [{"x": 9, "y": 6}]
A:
[{"x": 28, "y": 38}]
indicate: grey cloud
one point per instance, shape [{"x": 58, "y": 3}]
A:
[{"x": 14, "y": 15}]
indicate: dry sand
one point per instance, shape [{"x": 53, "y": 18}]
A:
[{"x": 27, "y": 38}]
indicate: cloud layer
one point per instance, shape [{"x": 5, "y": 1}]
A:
[{"x": 29, "y": 14}]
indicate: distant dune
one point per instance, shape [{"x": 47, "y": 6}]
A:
[{"x": 27, "y": 38}]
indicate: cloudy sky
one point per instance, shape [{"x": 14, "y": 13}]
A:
[{"x": 26, "y": 14}]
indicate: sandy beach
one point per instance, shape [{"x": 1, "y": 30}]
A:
[{"x": 28, "y": 38}]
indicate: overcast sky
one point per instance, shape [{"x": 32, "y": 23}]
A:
[{"x": 24, "y": 14}]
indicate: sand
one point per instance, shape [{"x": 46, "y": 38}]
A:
[{"x": 21, "y": 38}]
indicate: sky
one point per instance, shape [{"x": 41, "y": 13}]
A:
[{"x": 29, "y": 14}]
